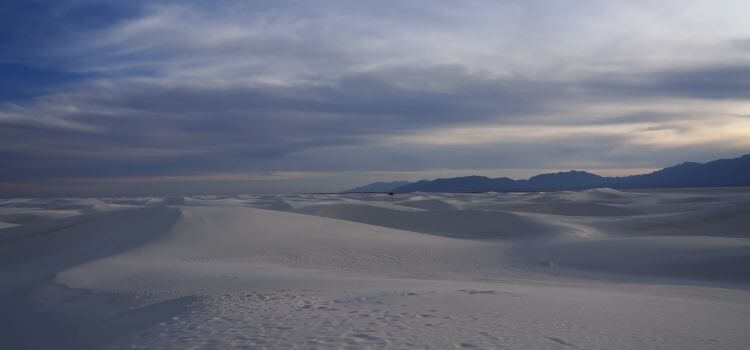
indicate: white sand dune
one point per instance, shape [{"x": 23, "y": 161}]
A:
[
  {"x": 563, "y": 208},
  {"x": 455, "y": 223},
  {"x": 428, "y": 204},
  {"x": 588, "y": 269},
  {"x": 716, "y": 219},
  {"x": 683, "y": 257},
  {"x": 32, "y": 215},
  {"x": 180, "y": 258}
]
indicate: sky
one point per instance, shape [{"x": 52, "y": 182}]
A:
[{"x": 179, "y": 97}]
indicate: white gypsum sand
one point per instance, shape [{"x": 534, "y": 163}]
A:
[{"x": 596, "y": 269}]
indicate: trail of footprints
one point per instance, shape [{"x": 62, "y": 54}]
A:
[{"x": 305, "y": 319}]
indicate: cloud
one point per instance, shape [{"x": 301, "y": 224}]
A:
[
  {"x": 212, "y": 127},
  {"x": 184, "y": 90},
  {"x": 703, "y": 82}
]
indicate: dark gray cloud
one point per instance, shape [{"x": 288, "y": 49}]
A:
[
  {"x": 184, "y": 129},
  {"x": 142, "y": 129},
  {"x": 704, "y": 82},
  {"x": 113, "y": 91}
]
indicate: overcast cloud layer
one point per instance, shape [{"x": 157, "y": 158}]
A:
[{"x": 137, "y": 97}]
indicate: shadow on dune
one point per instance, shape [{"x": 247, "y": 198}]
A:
[
  {"x": 692, "y": 258},
  {"x": 480, "y": 224},
  {"x": 31, "y": 256}
]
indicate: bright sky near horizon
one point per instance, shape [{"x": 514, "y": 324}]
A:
[{"x": 166, "y": 97}]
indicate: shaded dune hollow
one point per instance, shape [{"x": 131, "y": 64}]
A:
[{"x": 455, "y": 223}]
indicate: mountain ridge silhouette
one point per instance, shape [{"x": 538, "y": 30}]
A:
[{"x": 734, "y": 172}]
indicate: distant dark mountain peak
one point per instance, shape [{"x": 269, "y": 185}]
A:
[
  {"x": 718, "y": 173},
  {"x": 687, "y": 164},
  {"x": 572, "y": 174},
  {"x": 378, "y": 187}
]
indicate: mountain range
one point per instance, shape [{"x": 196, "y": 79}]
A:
[
  {"x": 379, "y": 187},
  {"x": 733, "y": 172}
]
